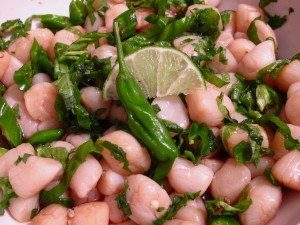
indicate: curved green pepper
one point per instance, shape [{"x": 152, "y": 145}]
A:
[
  {"x": 142, "y": 119},
  {"x": 45, "y": 136}
]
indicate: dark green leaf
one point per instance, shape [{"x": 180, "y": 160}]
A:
[
  {"x": 7, "y": 194},
  {"x": 23, "y": 159},
  {"x": 23, "y": 76},
  {"x": 268, "y": 174},
  {"x": 222, "y": 220},
  {"x": 117, "y": 152},
  {"x": 122, "y": 201},
  {"x": 127, "y": 22},
  {"x": 3, "y": 151},
  {"x": 53, "y": 22},
  {"x": 252, "y": 32},
  {"x": 40, "y": 60},
  {"x": 273, "y": 69},
  {"x": 54, "y": 195},
  {"x": 173, "y": 127},
  {"x": 178, "y": 203},
  {"x": 34, "y": 212},
  {"x": 225, "y": 16},
  {"x": 2, "y": 89},
  {"x": 9, "y": 125},
  {"x": 218, "y": 207},
  {"x": 78, "y": 12},
  {"x": 59, "y": 153}
]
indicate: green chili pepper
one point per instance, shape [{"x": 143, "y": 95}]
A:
[
  {"x": 45, "y": 136},
  {"x": 142, "y": 119}
]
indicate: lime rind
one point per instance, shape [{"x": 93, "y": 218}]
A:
[{"x": 159, "y": 71}]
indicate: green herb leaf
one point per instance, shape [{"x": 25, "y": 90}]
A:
[
  {"x": 54, "y": 195},
  {"x": 23, "y": 159},
  {"x": 52, "y": 22},
  {"x": 159, "y": 5},
  {"x": 9, "y": 125},
  {"x": 33, "y": 213},
  {"x": 7, "y": 194},
  {"x": 266, "y": 98},
  {"x": 178, "y": 203},
  {"x": 40, "y": 60},
  {"x": 23, "y": 76},
  {"x": 225, "y": 16},
  {"x": 218, "y": 207},
  {"x": 78, "y": 12},
  {"x": 3, "y": 151},
  {"x": 273, "y": 69},
  {"x": 222, "y": 220},
  {"x": 59, "y": 153},
  {"x": 127, "y": 22},
  {"x": 268, "y": 174},
  {"x": 2, "y": 89},
  {"x": 122, "y": 201},
  {"x": 252, "y": 32},
  {"x": 117, "y": 152}
]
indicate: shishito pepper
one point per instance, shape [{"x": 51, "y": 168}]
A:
[{"x": 142, "y": 119}]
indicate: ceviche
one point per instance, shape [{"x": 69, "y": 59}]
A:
[{"x": 147, "y": 112}]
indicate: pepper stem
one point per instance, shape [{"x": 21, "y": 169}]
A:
[{"x": 122, "y": 65}]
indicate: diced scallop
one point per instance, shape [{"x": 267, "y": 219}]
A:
[
  {"x": 287, "y": 170},
  {"x": 21, "y": 208},
  {"x": 117, "y": 113},
  {"x": 224, "y": 39},
  {"x": 28, "y": 179},
  {"x": 20, "y": 48},
  {"x": 138, "y": 158},
  {"x": 293, "y": 88},
  {"x": 266, "y": 200},
  {"x": 246, "y": 14},
  {"x": 292, "y": 109},
  {"x": 86, "y": 177},
  {"x": 141, "y": 15},
  {"x": 186, "y": 44},
  {"x": 8, "y": 76},
  {"x": 213, "y": 164},
  {"x": 92, "y": 196},
  {"x": 40, "y": 78},
  {"x": 289, "y": 75},
  {"x": 92, "y": 100},
  {"x": 93, "y": 213},
  {"x": 113, "y": 12},
  {"x": 260, "y": 56},
  {"x": 78, "y": 139},
  {"x": 240, "y": 47},
  {"x": 180, "y": 222},
  {"x": 203, "y": 107},
  {"x": 40, "y": 100},
  {"x": 196, "y": 178},
  {"x": 106, "y": 51},
  {"x": 43, "y": 36},
  {"x": 229, "y": 65},
  {"x": 172, "y": 109},
  {"x": 193, "y": 211},
  {"x": 264, "y": 163},
  {"x": 62, "y": 144},
  {"x": 93, "y": 22},
  {"x": 53, "y": 214},
  {"x": 4, "y": 63},
  {"x": 9, "y": 158},
  {"x": 277, "y": 144},
  {"x": 110, "y": 183},
  {"x": 145, "y": 197},
  {"x": 115, "y": 214},
  {"x": 234, "y": 176}
]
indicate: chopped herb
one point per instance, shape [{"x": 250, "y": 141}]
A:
[
  {"x": 54, "y": 195},
  {"x": 23, "y": 159},
  {"x": 222, "y": 220},
  {"x": 9, "y": 125},
  {"x": 178, "y": 203},
  {"x": 117, "y": 152},
  {"x": 273, "y": 69},
  {"x": 3, "y": 151},
  {"x": 58, "y": 153},
  {"x": 225, "y": 16},
  {"x": 122, "y": 201},
  {"x": 23, "y": 76},
  {"x": 268, "y": 174},
  {"x": 33, "y": 213},
  {"x": 2, "y": 89},
  {"x": 78, "y": 12},
  {"x": 7, "y": 194},
  {"x": 218, "y": 207},
  {"x": 291, "y": 10}
]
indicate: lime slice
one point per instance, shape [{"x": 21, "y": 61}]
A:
[{"x": 159, "y": 71}]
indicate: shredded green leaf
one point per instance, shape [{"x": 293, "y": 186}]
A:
[
  {"x": 122, "y": 201},
  {"x": 7, "y": 194}
]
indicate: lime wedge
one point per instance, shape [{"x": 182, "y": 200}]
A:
[{"x": 159, "y": 71}]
